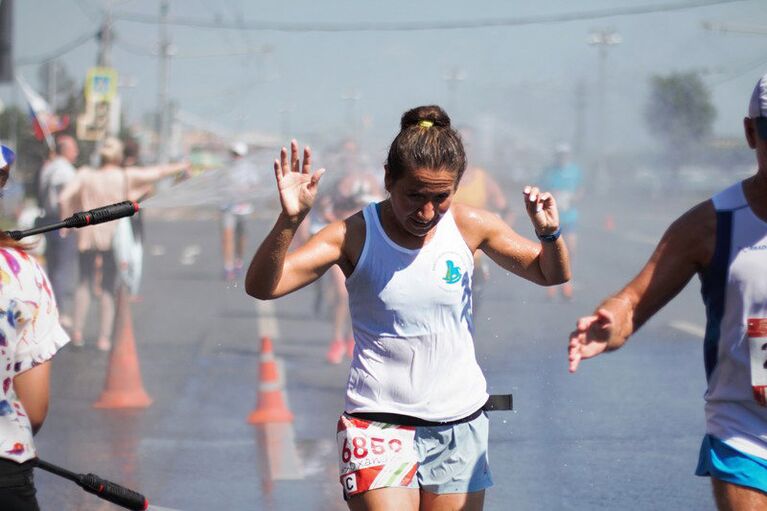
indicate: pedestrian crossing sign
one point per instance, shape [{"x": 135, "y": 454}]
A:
[{"x": 101, "y": 84}]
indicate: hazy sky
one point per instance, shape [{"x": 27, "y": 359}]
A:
[{"x": 515, "y": 81}]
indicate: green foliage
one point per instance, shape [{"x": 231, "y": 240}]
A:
[{"x": 680, "y": 114}]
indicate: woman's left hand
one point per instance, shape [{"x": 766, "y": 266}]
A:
[{"x": 542, "y": 209}]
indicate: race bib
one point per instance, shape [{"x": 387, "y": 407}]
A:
[
  {"x": 757, "y": 347},
  {"x": 374, "y": 455}
]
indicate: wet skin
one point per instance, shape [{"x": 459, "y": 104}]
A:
[{"x": 418, "y": 201}]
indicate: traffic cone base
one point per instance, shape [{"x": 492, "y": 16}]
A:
[{"x": 135, "y": 399}]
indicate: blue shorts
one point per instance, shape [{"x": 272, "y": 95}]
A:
[
  {"x": 453, "y": 459},
  {"x": 722, "y": 462}
]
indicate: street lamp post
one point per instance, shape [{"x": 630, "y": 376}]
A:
[
  {"x": 453, "y": 78},
  {"x": 163, "y": 122},
  {"x": 602, "y": 39}
]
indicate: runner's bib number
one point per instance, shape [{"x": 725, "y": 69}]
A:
[
  {"x": 757, "y": 347},
  {"x": 374, "y": 455}
]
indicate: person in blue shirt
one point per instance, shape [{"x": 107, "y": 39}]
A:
[{"x": 564, "y": 180}]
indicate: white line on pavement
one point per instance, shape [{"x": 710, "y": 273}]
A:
[
  {"x": 640, "y": 238},
  {"x": 189, "y": 254},
  {"x": 267, "y": 323},
  {"x": 688, "y": 328}
]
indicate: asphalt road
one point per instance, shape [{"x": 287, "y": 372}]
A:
[{"x": 621, "y": 434}]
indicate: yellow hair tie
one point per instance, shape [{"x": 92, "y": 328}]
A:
[{"x": 426, "y": 124}]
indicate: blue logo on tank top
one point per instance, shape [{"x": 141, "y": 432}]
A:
[{"x": 453, "y": 273}]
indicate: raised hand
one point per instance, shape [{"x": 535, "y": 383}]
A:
[
  {"x": 542, "y": 210},
  {"x": 590, "y": 337},
  {"x": 296, "y": 183}
]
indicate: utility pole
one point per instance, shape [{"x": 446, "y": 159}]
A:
[
  {"x": 51, "y": 75},
  {"x": 105, "y": 37},
  {"x": 580, "y": 119},
  {"x": 103, "y": 59},
  {"x": 351, "y": 98},
  {"x": 602, "y": 39},
  {"x": 162, "y": 93},
  {"x": 453, "y": 78}
]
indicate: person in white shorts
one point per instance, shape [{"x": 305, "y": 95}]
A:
[
  {"x": 724, "y": 241},
  {"x": 413, "y": 434}
]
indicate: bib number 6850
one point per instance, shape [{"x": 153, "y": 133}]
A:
[{"x": 359, "y": 447}]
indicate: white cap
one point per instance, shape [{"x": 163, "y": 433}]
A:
[
  {"x": 562, "y": 148},
  {"x": 239, "y": 148},
  {"x": 757, "y": 107},
  {"x": 7, "y": 156}
]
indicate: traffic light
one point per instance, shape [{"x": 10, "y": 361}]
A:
[{"x": 6, "y": 40}]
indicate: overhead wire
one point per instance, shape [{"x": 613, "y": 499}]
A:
[
  {"x": 72, "y": 45},
  {"x": 383, "y": 26}
]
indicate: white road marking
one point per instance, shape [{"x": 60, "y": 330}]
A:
[
  {"x": 267, "y": 322},
  {"x": 189, "y": 254},
  {"x": 640, "y": 238},
  {"x": 688, "y": 328},
  {"x": 284, "y": 462},
  {"x": 157, "y": 250}
]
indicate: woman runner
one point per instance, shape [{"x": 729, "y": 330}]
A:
[{"x": 413, "y": 434}]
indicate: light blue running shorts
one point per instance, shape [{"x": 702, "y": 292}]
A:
[
  {"x": 721, "y": 461},
  {"x": 453, "y": 459}
]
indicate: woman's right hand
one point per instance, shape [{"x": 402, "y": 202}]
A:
[{"x": 296, "y": 182}]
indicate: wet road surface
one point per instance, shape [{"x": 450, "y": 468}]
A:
[{"x": 621, "y": 434}]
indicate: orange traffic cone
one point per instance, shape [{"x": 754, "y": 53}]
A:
[
  {"x": 271, "y": 406},
  {"x": 123, "y": 387}
]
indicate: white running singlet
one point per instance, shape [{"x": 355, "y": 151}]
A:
[
  {"x": 412, "y": 322},
  {"x": 734, "y": 289}
]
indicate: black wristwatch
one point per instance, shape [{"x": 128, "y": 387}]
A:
[{"x": 549, "y": 238}]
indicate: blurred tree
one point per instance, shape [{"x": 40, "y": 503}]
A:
[{"x": 680, "y": 115}]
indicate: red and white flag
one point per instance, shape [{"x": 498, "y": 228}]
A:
[{"x": 44, "y": 121}]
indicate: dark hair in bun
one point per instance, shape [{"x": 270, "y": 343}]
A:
[{"x": 425, "y": 140}]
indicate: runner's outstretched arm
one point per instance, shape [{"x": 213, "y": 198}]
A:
[
  {"x": 272, "y": 273},
  {"x": 685, "y": 248}
]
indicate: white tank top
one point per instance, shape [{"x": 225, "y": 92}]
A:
[
  {"x": 411, "y": 316},
  {"x": 734, "y": 289}
]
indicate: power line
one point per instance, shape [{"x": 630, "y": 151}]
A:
[
  {"x": 88, "y": 10},
  {"x": 135, "y": 49},
  {"x": 373, "y": 26},
  {"x": 72, "y": 45},
  {"x": 746, "y": 68}
]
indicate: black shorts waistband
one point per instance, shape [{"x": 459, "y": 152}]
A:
[
  {"x": 494, "y": 402},
  {"x": 407, "y": 420}
]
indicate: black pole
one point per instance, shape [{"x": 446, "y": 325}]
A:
[
  {"x": 83, "y": 218},
  {"x": 102, "y": 488}
]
